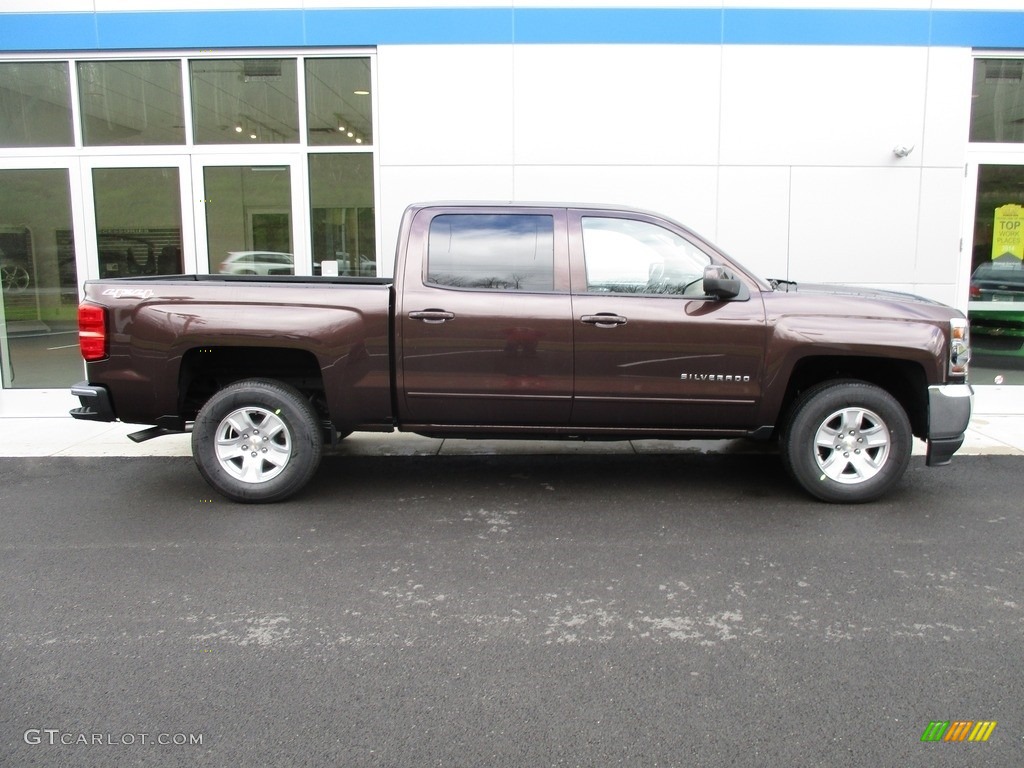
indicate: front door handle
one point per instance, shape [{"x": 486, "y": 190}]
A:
[
  {"x": 604, "y": 320},
  {"x": 432, "y": 316}
]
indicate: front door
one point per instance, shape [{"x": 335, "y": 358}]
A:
[
  {"x": 485, "y": 328},
  {"x": 651, "y": 352}
]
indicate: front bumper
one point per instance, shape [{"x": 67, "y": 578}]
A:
[
  {"x": 95, "y": 400},
  {"x": 949, "y": 413}
]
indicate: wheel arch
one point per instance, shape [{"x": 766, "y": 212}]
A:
[
  {"x": 206, "y": 370},
  {"x": 905, "y": 380}
]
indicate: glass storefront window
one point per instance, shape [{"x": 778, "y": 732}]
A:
[
  {"x": 39, "y": 323},
  {"x": 341, "y": 215},
  {"x": 138, "y": 221},
  {"x": 174, "y": 172},
  {"x": 127, "y": 103},
  {"x": 245, "y": 101},
  {"x": 338, "y": 102},
  {"x": 996, "y": 307},
  {"x": 35, "y": 105},
  {"x": 248, "y": 220},
  {"x": 997, "y": 106}
]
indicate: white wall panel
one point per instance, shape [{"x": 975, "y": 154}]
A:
[
  {"x": 445, "y": 104},
  {"x": 948, "y": 112},
  {"x": 685, "y": 193},
  {"x": 978, "y": 5},
  {"x": 621, "y": 104},
  {"x": 613, "y": 3},
  {"x": 938, "y": 242},
  {"x": 100, "y": 6},
  {"x": 407, "y": 4},
  {"x": 815, "y": 105},
  {"x": 854, "y": 225},
  {"x": 913, "y": 5},
  {"x": 402, "y": 185},
  {"x": 753, "y": 218},
  {"x": 193, "y": 5},
  {"x": 48, "y": 6},
  {"x": 86, "y": 6}
]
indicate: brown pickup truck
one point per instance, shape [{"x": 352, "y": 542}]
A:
[{"x": 517, "y": 320}]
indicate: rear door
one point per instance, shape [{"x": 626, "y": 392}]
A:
[
  {"x": 651, "y": 351},
  {"x": 484, "y": 323}
]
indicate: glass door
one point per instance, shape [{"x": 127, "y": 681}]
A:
[
  {"x": 40, "y": 276},
  {"x": 138, "y": 216},
  {"x": 246, "y": 212},
  {"x": 996, "y": 289}
]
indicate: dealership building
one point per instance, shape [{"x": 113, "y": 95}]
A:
[{"x": 878, "y": 144}]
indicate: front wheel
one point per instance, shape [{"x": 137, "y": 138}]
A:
[
  {"x": 257, "y": 440},
  {"x": 847, "y": 441}
]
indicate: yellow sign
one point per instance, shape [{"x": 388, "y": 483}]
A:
[{"x": 1008, "y": 233}]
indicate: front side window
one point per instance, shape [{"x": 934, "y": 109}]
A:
[
  {"x": 493, "y": 252},
  {"x": 628, "y": 256}
]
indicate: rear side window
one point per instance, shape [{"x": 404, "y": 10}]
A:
[{"x": 492, "y": 252}]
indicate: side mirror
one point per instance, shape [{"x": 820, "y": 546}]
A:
[{"x": 721, "y": 283}]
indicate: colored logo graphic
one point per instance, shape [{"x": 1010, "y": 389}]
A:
[{"x": 958, "y": 730}]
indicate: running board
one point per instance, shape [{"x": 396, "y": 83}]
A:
[{"x": 149, "y": 434}]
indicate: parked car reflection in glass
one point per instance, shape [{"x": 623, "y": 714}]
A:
[
  {"x": 257, "y": 263},
  {"x": 998, "y": 281},
  {"x": 997, "y": 326}
]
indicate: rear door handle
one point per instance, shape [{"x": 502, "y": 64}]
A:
[
  {"x": 604, "y": 320},
  {"x": 432, "y": 316}
]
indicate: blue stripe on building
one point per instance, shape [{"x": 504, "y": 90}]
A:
[{"x": 411, "y": 26}]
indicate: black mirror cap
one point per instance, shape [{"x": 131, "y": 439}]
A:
[{"x": 720, "y": 283}]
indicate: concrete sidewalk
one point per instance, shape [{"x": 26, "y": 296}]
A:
[{"x": 35, "y": 423}]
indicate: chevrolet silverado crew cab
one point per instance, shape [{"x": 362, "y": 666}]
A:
[{"x": 528, "y": 320}]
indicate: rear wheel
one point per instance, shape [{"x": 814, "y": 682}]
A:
[
  {"x": 257, "y": 440},
  {"x": 847, "y": 441}
]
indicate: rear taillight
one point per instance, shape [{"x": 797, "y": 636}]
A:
[{"x": 92, "y": 331}]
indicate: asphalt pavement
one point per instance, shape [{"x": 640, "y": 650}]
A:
[{"x": 579, "y": 609}]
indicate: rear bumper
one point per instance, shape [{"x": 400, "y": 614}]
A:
[
  {"x": 95, "y": 402},
  {"x": 949, "y": 413}
]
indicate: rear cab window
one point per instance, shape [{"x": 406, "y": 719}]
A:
[{"x": 492, "y": 252}]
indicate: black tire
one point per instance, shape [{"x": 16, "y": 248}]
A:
[
  {"x": 846, "y": 441},
  {"x": 257, "y": 441}
]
